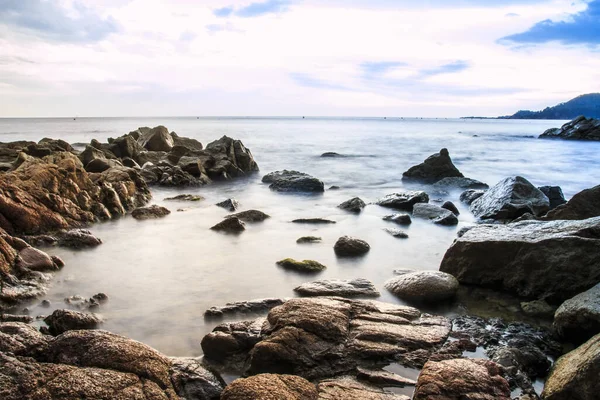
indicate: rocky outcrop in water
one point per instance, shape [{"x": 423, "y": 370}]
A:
[
  {"x": 436, "y": 167},
  {"x": 229, "y": 204},
  {"x": 338, "y": 287},
  {"x": 293, "y": 181},
  {"x": 581, "y": 128},
  {"x": 230, "y": 225},
  {"x": 435, "y": 214},
  {"x": 151, "y": 212},
  {"x": 308, "y": 266},
  {"x": 578, "y": 319},
  {"x": 585, "y": 204},
  {"x": 400, "y": 219},
  {"x": 347, "y": 246},
  {"x": 423, "y": 286},
  {"x": 403, "y": 201},
  {"x": 250, "y": 216},
  {"x": 61, "y": 321},
  {"x": 354, "y": 205},
  {"x": 528, "y": 258},
  {"x": 243, "y": 307}
]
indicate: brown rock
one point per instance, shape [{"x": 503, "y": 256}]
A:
[
  {"x": 349, "y": 389},
  {"x": 585, "y": 204},
  {"x": 67, "y": 320},
  {"x": 270, "y": 387},
  {"x": 150, "y": 212}
]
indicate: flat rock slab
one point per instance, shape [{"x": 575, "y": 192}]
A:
[
  {"x": 244, "y": 307},
  {"x": 308, "y": 266},
  {"x": 309, "y": 239},
  {"x": 403, "y": 201},
  {"x": 338, "y": 287},
  {"x": 314, "y": 221}
]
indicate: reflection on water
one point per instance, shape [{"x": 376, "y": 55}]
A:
[{"x": 162, "y": 274}]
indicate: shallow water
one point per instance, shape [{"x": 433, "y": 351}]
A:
[{"x": 162, "y": 274}]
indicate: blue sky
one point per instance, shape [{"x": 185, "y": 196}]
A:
[{"x": 295, "y": 57}]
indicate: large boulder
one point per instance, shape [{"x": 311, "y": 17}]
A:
[
  {"x": 435, "y": 214},
  {"x": 509, "y": 199},
  {"x": 423, "y": 286},
  {"x": 575, "y": 375},
  {"x": 578, "y": 319},
  {"x": 293, "y": 181},
  {"x": 270, "y": 386},
  {"x": 581, "y": 128},
  {"x": 462, "y": 379},
  {"x": 125, "y": 147},
  {"x": 433, "y": 169},
  {"x": 156, "y": 139},
  {"x": 404, "y": 200},
  {"x": 533, "y": 259},
  {"x": 585, "y": 204}
]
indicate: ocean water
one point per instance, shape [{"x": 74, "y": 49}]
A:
[{"x": 161, "y": 275}]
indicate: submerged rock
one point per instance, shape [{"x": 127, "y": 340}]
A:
[
  {"x": 585, "y": 204},
  {"x": 581, "y": 128},
  {"x": 397, "y": 233},
  {"x": 528, "y": 258},
  {"x": 230, "y": 225},
  {"x": 313, "y": 221},
  {"x": 433, "y": 169},
  {"x": 400, "y": 219},
  {"x": 61, "y": 321},
  {"x": 403, "y": 201},
  {"x": 423, "y": 286},
  {"x": 151, "y": 212},
  {"x": 436, "y": 214},
  {"x": 578, "y": 319},
  {"x": 459, "y": 183},
  {"x": 354, "y": 205},
  {"x": 293, "y": 181},
  {"x": 229, "y": 204},
  {"x": 509, "y": 199},
  {"x": 270, "y": 386},
  {"x": 301, "y": 266},
  {"x": 538, "y": 308},
  {"x": 347, "y": 246},
  {"x": 185, "y": 197},
  {"x": 338, "y": 287},
  {"x": 250, "y": 216},
  {"x": 469, "y": 196},
  {"x": 309, "y": 239},
  {"x": 554, "y": 195},
  {"x": 244, "y": 307}
]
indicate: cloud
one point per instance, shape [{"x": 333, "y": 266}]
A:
[
  {"x": 376, "y": 69},
  {"x": 253, "y": 9},
  {"x": 453, "y": 67},
  {"x": 306, "y": 80},
  {"x": 223, "y": 12},
  {"x": 49, "y": 20},
  {"x": 580, "y": 28}
]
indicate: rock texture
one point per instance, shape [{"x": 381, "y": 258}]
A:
[
  {"x": 151, "y": 212},
  {"x": 61, "y": 321},
  {"x": 243, "y": 307},
  {"x": 350, "y": 389},
  {"x": 555, "y": 260},
  {"x": 230, "y": 225},
  {"x": 293, "y": 181},
  {"x": 309, "y": 239},
  {"x": 470, "y": 195},
  {"x": 433, "y": 169},
  {"x": 400, "y": 219},
  {"x": 250, "y": 216},
  {"x": 554, "y": 195},
  {"x": 229, "y": 204},
  {"x": 347, "y": 246},
  {"x": 191, "y": 380},
  {"x": 578, "y": 319},
  {"x": 338, "y": 287},
  {"x": 301, "y": 266},
  {"x": 270, "y": 386},
  {"x": 403, "y": 201},
  {"x": 510, "y": 199},
  {"x": 435, "y": 214},
  {"x": 423, "y": 286},
  {"x": 354, "y": 205},
  {"x": 459, "y": 183},
  {"x": 585, "y": 204},
  {"x": 581, "y": 128}
]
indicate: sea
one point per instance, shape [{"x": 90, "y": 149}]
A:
[{"x": 161, "y": 275}]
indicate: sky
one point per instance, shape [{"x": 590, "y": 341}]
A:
[{"x": 438, "y": 58}]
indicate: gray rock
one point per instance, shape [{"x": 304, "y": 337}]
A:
[
  {"x": 230, "y": 342},
  {"x": 331, "y": 154},
  {"x": 448, "y": 205},
  {"x": 578, "y": 319},
  {"x": 354, "y": 205},
  {"x": 68, "y": 320},
  {"x": 554, "y": 195},
  {"x": 459, "y": 183},
  {"x": 538, "y": 308},
  {"x": 151, "y": 212},
  {"x": 338, "y": 287},
  {"x": 433, "y": 169},
  {"x": 309, "y": 239},
  {"x": 315, "y": 221},
  {"x": 423, "y": 286},
  {"x": 78, "y": 238},
  {"x": 403, "y": 201},
  {"x": 293, "y": 181},
  {"x": 528, "y": 258},
  {"x": 347, "y": 246},
  {"x": 250, "y": 216},
  {"x": 436, "y": 214},
  {"x": 192, "y": 380},
  {"x": 230, "y": 225},
  {"x": 400, "y": 219},
  {"x": 581, "y": 128},
  {"x": 156, "y": 139},
  {"x": 188, "y": 143},
  {"x": 100, "y": 165},
  {"x": 397, "y": 233},
  {"x": 585, "y": 204},
  {"x": 470, "y": 195},
  {"x": 509, "y": 199},
  {"x": 244, "y": 307},
  {"x": 229, "y": 204}
]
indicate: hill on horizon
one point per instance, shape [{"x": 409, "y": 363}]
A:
[{"x": 587, "y": 105}]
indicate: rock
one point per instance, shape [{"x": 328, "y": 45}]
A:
[
  {"x": 462, "y": 379},
  {"x": 527, "y": 258},
  {"x": 89, "y": 154},
  {"x": 21, "y": 339},
  {"x": 354, "y": 205},
  {"x": 309, "y": 239},
  {"x": 229, "y": 342},
  {"x": 232, "y": 159},
  {"x": 585, "y": 204},
  {"x": 270, "y": 386},
  {"x": 187, "y": 143},
  {"x": 100, "y": 165},
  {"x": 293, "y": 181},
  {"x": 301, "y": 266},
  {"x": 331, "y": 154},
  {"x": 150, "y": 212},
  {"x": 538, "y": 308},
  {"x": 554, "y": 195},
  {"x": 77, "y": 239},
  {"x": 26, "y": 319},
  {"x": 229, "y": 204},
  {"x": 125, "y": 147},
  {"x": 575, "y": 375},
  {"x": 348, "y": 388},
  {"x": 469, "y": 196},
  {"x": 397, "y": 233},
  {"x": 130, "y": 163},
  {"x": 436, "y": 214},
  {"x": 100, "y": 297},
  {"x": 230, "y": 225},
  {"x": 45, "y": 303},
  {"x": 191, "y": 380},
  {"x": 509, "y": 199},
  {"x": 185, "y": 197},
  {"x": 338, "y": 287},
  {"x": 35, "y": 260},
  {"x": 243, "y": 307},
  {"x": 403, "y": 201},
  {"x": 334, "y": 187},
  {"x": 433, "y": 169},
  {"x": 250, "y": 216},
  {"x": 448, "y": 205},
  {"x": 459, "y": 183},
  {"x": 581, "y": 128},
  {"x": 423, "y": 286},
  {"x": 578, "y": 319},
  {"x": 383, "y": 378},
  {"x": 313, "y": 221},
  {"x": 347, "y": 246},
  {"x": 400, "y": 219},
  {"x": 157, "y": 139},
  {"x": 68, "y": 320}
]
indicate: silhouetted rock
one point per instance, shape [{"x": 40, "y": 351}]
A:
[
  {"x": 433, "y": 169},
  {"x": 554, "y": 195},
  {"x": 229, "y": 204},
  {"x": 293, "y": 181}
]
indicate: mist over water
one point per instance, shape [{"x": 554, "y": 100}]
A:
[{"x": 161, "y": 275}]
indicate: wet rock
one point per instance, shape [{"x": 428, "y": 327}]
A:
[
  {"x": 21, "y": 339},
  {"x": 509, "y": 199},
  {"x": 423, "y": 286},
  {"x": 45, "y": 303},
  {"x": 331, "y": 154},
  {"x": 400, "y": 219},
  {"x": 459, "y": 183},
  {"x": 150, "y": 212},
  {"x": 270, "y": 386},
  {"x": 229, "y": 343},
  {"x": 580, "y": 128},
  {"x": 192, "y": 380},
  {"x": 244, "y": 307},
  {"x": 448, "y": 205},
  {"x": 554, "y": 195},
  {"x": 78, "y": 238},
  {"x": 229, "y": 204},
  {"x": 334, "y": 187},
  {"x": 469, "y": 196},
  {"x": 156, "y": 139},
  {"x": 575, "y": 375},
  {"x": 348, "y": 388},
  {"x": 68, "y": 320},
  {"x": 309, "y": 239},
  {"x": 313, "y": 221},
  {"x": 338, "y": 287},
  {"x": 293, "y": 181},
  {"x": 230, "y": 225},
  {"x": 397, "y": 233},
  {"x": 185, "y": 197},
  {"x": 383, "y": 378},
  {"x": 433, "y": 169},
  {"x": 527, "y": 258},
  {"x": 250, "y": 216},
  {"x": 436, "y": 214},
  {"x": 354, "y": 205},
  {"x": 578, "y": 319},
  {"x": 585, "y": 204},
  {"x": 403, "y": 201},
  {"x": 479, "y": 379},
  {"x": 538, "y": 308},
  {"x": 347, "y": 246},
  {"x": 301, "y": 266}
]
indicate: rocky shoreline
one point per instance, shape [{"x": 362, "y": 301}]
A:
[{"x": 331, "y": 343}]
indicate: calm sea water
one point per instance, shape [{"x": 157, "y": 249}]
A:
[{"x": 161, "y": 275}]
